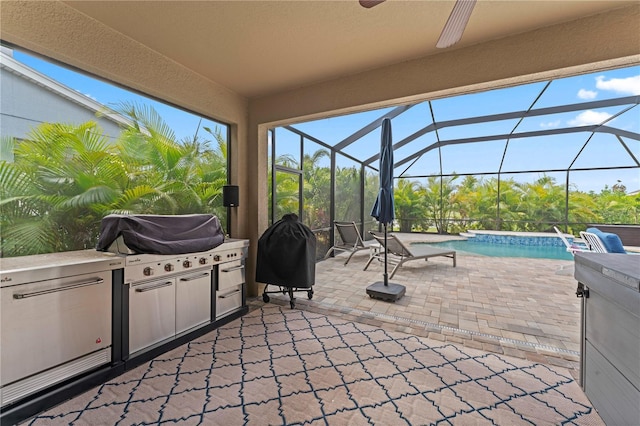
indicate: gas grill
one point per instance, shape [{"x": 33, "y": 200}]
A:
[{"x": 171, "y": 294}]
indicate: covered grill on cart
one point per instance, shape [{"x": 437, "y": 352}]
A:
[{"x": 287, "y": 258}]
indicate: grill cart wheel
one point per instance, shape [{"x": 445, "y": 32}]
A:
[
  {"x": 310, "y": 294},
  {"x": 265, "y": 298}
]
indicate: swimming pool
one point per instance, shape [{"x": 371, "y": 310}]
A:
[{"x": 507, "y": 244}]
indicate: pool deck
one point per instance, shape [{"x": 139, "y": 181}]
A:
[{"x": 520, "y": 307}]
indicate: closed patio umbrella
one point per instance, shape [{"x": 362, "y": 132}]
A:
[{"x": 383, "y": 212}]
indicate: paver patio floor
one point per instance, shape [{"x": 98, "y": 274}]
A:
[{"x": 516, "y": 306}]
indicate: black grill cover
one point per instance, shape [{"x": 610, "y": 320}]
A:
[
  {"x": 287, "y": 254},
  {"x": 158, "y": 234}
]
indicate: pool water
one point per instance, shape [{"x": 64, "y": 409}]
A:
[{"x": 471, "y": 246}]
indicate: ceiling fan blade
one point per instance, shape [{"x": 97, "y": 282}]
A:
[
  {"x": 457, "y": 22},
  {"x": 370, "y": 3}
]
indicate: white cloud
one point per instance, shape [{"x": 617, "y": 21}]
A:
[
  {"x": 624, "y": 86},
  {"x": 589, "y": 117},
  {"x": 550, "y": 124},
  {"x": 587, "y": 94}
]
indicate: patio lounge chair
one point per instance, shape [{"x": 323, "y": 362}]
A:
[
  {"x": 594, "y": 242},
  {"x": 400, "y": 253},
  {"x": 602, "y": 242},
  {"x": 571, "y": 248},
  {"x": 351, "y": 240}
]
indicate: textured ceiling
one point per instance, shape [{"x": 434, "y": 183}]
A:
[{"x": 257, "y": 48}]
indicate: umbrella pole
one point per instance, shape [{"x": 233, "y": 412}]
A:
[
  {"x": 383, "y": 289},
  {"x": 383, "y": 211},
  {"x": 386, "y": 275}
]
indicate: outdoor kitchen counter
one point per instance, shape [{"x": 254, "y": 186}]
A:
[
  {"x": 27, "y": 269},
  {"x": 610, "y": 371},
  {"x": 62, "y": 301}
]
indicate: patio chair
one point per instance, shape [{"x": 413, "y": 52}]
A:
[
  {"x": 351, "y": 240},
  {"x": 593, "y": 242},
  {"x": 401, "y": 254},
  {"x": 571, "y": 248},
  {"x": 608, "y": 240}
]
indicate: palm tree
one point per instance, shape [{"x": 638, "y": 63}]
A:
[
  {"x": 54, "y": 190},
  {"x": 316, "y": 190},
  {"x": 466, "y": 195},
  {"x": 347, "y": 200},
  {"x": 167, "y": 176},
  {"x": 408, "y": 199},
  {"x": 615, "y": 206},
  {"x": 440, "y": 201},
  {"x": 64, "y": 178},
  {"x": 541, "y": 202}
]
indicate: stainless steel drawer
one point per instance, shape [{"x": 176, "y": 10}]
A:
[
  {"x": 48, "y": 323},
  {"x": 230, "y": 274},
  {"x": 228, "y": 300},
  {"x": 152, "y": 313},
  {"x": 193, "y": 300}
]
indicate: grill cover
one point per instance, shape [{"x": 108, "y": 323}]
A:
[
  {"x": 287, "y": 254},
  {"x": 158, "y": 234}
]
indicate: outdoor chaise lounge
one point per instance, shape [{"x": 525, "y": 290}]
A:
[
  {"x": 571, "y": 248},
  {"x": 603, "y": 242},
  {"x": 351, "y": 240},
  {"x": 400, "y": 253},
  {"x": 593, "y": 242}
]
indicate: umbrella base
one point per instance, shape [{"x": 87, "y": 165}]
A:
[{"x": 391, "y": 292}]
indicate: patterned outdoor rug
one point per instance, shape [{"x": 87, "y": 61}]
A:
[{"x": 281, "y": 367}]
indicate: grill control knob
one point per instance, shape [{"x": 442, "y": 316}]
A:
[
  {"x": 147, "y": 271},
  {"x": 216, "y": 258},
  {"x": 203, "y": 261},
  {"x": 168, "y": 267},
  {"x": 186, "y": 264}
]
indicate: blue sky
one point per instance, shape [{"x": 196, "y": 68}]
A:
[
  {"x": 549, "y": 152},
  {"x": 523, "y": 154},
  {"x": 184, "y": 124}
]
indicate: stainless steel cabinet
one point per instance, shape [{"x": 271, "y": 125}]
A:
[
  {"x": 609, "y": 285},
  {"x": 51, "y": 330},
  {"x": 193, "y": 300},
  {"x": 163, "y": 308},
  {"x": 229, "y": 294},
  {"x": 152, "y": 313}
]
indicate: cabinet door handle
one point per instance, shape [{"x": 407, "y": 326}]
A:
[
  {"x": 58, "y": 289},
  {"x": 235, "y": 268},
  {"x": 194, "y": 277},
  {"x": 154, "y": 287},
  {"x": 224, "y": 296}
]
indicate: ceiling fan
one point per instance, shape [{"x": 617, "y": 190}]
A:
[{"x": 453, "y": 29}]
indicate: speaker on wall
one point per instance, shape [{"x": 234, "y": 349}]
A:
[{"x": 230, "y": 196}]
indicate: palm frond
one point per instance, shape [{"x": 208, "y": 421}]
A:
[
  {"x": 28, "y": 237},
  {"x": 7, "y": 145}
]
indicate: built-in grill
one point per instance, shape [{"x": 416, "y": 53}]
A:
[{"x": 170, "y": 294}]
